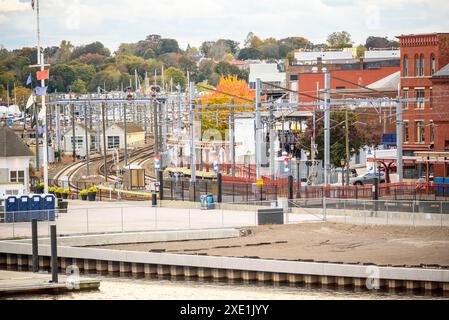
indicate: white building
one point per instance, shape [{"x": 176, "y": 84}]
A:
[
  {"x": 266, "y": 72},
  {"x": 80, "y": 143},
  {"x": 311, "y": 57},
  {"x": 382, "y": 54},
  {"x": 15, "y": 159},
  {"x": 115, "y": 136}
]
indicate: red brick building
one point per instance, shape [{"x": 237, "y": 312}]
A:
[
  {"x": 421, "y": 57},
  {"x": 440, "y": 108}
]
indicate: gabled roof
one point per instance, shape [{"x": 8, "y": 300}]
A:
[
  {"x": 11, "y": 145},
  {"x": 442, "y": 73},
  {"x": 389, "y": 83},
  {"x": 130, "y": 127}
]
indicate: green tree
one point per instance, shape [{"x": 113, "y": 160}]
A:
[
  {"x": 78, "y": 86},
  {"x": 65, "y": 51},
  {"x": 110, "y": 77},
  {"x": 250, "y": 54},
  {"x": 167, "y": 46},
  {"x": 361, "y": 51},
  {"x": 339, "y": 40},
  {"x": 91, "y": 48},
  {"x": 176, "y": 75},
  {"x": 61, "y": 76},
  {"x": 83, "y": 71},
  {"x": 358, "y": 136}
]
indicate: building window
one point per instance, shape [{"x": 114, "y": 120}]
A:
[
  {"x": 422, "y": 66},
  {"x": 406, "y": 99},
  {"x": 79, "y": 141},
  {"x": 406, "y": 132},
  {"x": 431, "y": 98},
  {"x": 17, "y": 176},
  {"x": 93, "y": 142},
  {"x": 419, "y": 95},
  {"x": 433, "y": 66},
  {"x": 294, "y": 77},
  {"x": 417, "y": 66},
  {"x": 113, "y": 142},
  {"x": 420, "y": 131},
  {"x": 405, "y": 66},
  {"x": 432, "y": 132}
]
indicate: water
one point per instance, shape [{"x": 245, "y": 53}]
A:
[{"x": 127, "y": 288}]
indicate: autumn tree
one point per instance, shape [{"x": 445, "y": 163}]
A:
[{"x": 359, "y": 136}]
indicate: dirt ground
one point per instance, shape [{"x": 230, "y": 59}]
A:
[{"x": 325, "y": 242}]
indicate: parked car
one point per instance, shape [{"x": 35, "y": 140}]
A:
[{"x": 368, "y": 178}]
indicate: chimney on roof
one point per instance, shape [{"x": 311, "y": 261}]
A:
[{"x": 319, "y": 62}]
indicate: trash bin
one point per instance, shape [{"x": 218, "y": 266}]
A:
[
  {"x": 11, "y": 207},
  {"x": 23, "y": 213},
  {"x": 207, "y": 202},
  {"x": 49, "y": 207},
  {"x": 36, "y": 207}
]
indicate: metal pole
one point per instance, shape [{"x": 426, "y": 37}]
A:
[
  {"x": 38, "y": 165},
  {"x": 54, "y": 255},
  {"x": 200, "y": 134},
  {"x": 272, "y": 147},
  {"x": 58, "y": 131},
  {"x": 45, "y": 145},
  {"x": 258, "y": 130},
  {"x": 326, "y": 128},
  {"x": 326, "y": 139},
  {"x": 232, "y": 137},
  {"x": 73, "y": 134},
  {"x": 35, "y": 246},
  {"x": 192, "y": 133},
  {"x": 86, "y": 137},
  {"x": 104, "y": 142},
  {"x": 348, "y": 157},
  {"x": 155, "y": 129},
  {"x": 400, "y": 139}
]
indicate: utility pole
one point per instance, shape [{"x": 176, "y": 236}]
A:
[
  {"x": 36, "y": 119},
  {"x": 348, "y": 158},
  {"x": 155, "y": 129},
  {"x": 232, "y": 137},
  {"x": 58, "y": 131},
  {"x": 400, "y": 139},
  {"x": 200, "y": 134},
  {"x": 326, "y": 128},
  {"x": 73, "y": 134},
  {"x": 272, "y": 123},
  {"x": 104, "y": 141},
  {"x": 192, "y": 133},
  {"x": 258, "y": 131},
  {"x": 327, "y": 120},
  {"x": 86, "y": 136},
  {"x": 126, "y": 136}
]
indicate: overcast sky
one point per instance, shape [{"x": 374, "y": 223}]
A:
[{"x": 194, "y": 21}]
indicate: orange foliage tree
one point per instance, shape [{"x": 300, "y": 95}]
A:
[{"x": 229, "y": 88}]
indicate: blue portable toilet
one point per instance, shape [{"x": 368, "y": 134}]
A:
[
  {"x": 439, "y": 189},
  {"x": 36, "y": 207},
  {"x": 49, "y": 205},
  {"x": 24, "y": 209},
  {"x": 11, "y": 207}
]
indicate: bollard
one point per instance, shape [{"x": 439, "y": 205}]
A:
[
  {"x": 54, "y": 255},
  {"x": 35, "y": 245},
  {"x": 290, "y": 188},
  {"x": 219, "y": 191},
  {"x": 376, "y": 194},
  {"x": 160, "y": 179},
  {"x": 154, "y": 200}
]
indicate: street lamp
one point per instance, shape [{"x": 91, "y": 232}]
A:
[{"x": 248, "y": 159}]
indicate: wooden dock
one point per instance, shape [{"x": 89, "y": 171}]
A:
[{"x": 16, "y": 283}]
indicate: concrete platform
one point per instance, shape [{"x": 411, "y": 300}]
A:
[{"x": 13, "y": 283}]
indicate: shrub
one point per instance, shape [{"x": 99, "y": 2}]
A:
[{"x": 93, "y": 189}]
